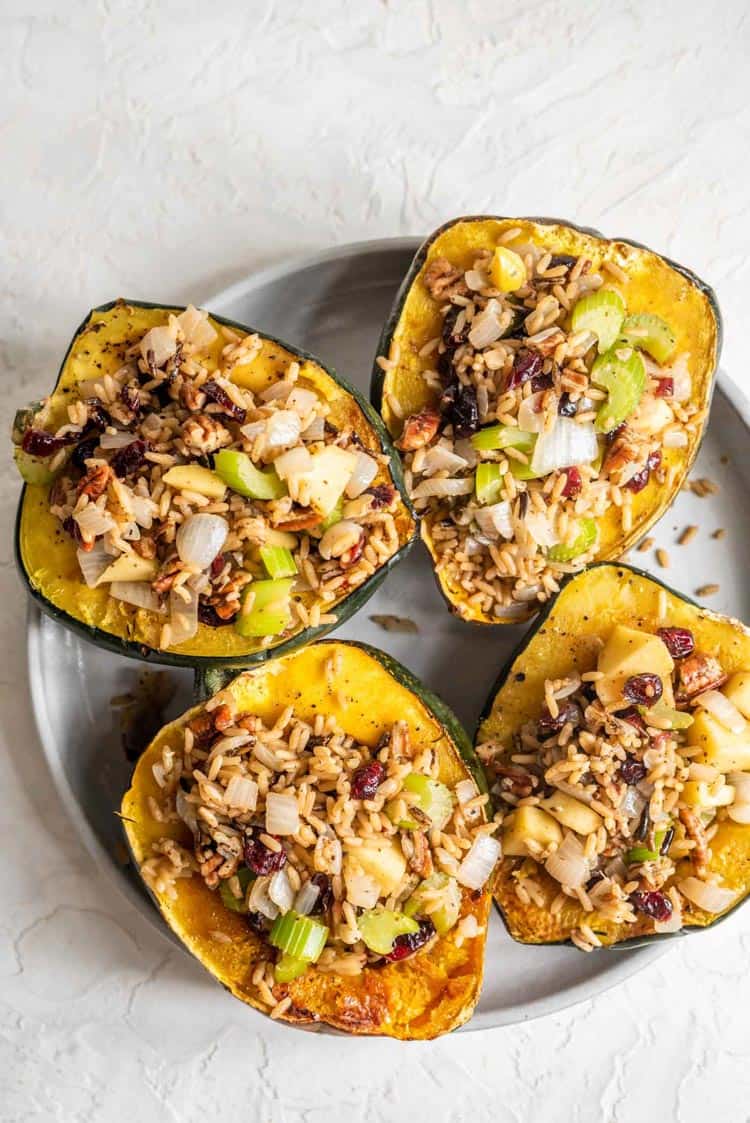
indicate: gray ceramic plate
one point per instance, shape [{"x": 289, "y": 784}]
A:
[{"x": 334, "y": 304}]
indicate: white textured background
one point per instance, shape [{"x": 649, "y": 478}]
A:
[{"x": 158, "y": 150}]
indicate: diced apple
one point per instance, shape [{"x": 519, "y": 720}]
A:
[
  {"x": 737, "y": 690},
  {"x": 529, "y": 823},
  {"x": 383, "y": 860},
  {"x": 326, "y": 480},
  {"x": 194, "y": 477},
  {"x": 572, "y": 813},
  {"x": 723, "y": 749},
  {"x": 630, "y": 652},
  {"x": 129, "y": 567}
]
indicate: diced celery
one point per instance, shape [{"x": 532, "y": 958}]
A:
[
  {"x": 601, "y": 312},
  {"x": 488, "y": 483},
  {"x": 445, "y": 917},
  {"x": 585, "y": 539},
  {"x": 297, "y": 936},
  {"x": 334, "y": 516},
  {"x": 650, "y": 333},
  {"x": 269, "y": 612},
  {"x": 278, "y": 561},
  {"x": 289, "y": 968},
  {"x": 237, "y": 471},
  {"x": 236, "y": 904},
  {"x": 379, "y": 927},
  {"x": 644, "y": 853},
  {"x": 494, "y": 437},
  {"x": 663, "y": 716},
  {"x": 522, "y": 471},
  {"x": 434, "y": 800},
  {"x": 622, "y": 373}
]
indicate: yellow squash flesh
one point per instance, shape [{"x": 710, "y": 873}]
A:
[
  {"x": 421, "y": 997},
  {"x": 652, "y": 285},
  {"x": 48, "y": 554},
  {"x": 568, "y": 637}
]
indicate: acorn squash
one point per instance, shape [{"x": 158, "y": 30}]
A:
[
  {"x": 46, "y": 555},
  {"x": 423, "y": 996},
  {"x": 670, "y": 313},
  {"x": 568, "y": 637}
]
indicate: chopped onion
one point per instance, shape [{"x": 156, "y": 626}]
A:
[
  {"x": 568, "y": 865},
  {"x": 362, "y": 890},
  {"x": 528, "y": 593},
  {"x": 541, "y": 529},
  {"x": 138, "y": 593},
  {"x": 428, "y": 488},
  {"x": 302, "y": 401},
  {"x": 723, "y": 709},
  {"x": 316, "y": 430},
  {"x": 486, "y": 327},
  {"x": 306, "y": 899},
  {"x": 465, "y": 449},
  {"x": 200, "y": 538},
  {"x": 253, "y": 430},
  {"x": 162, "y": 341},
  {"x": 93, "y": 563},
  {"x": 739, "y": 811},
  {"x": 115, "y": 440},
  {"x": 479, "y": 862},
  {"x": 616, "y": 869},
  {"x": 632, "y": 803},
  {"x": 365, "y": 471},
  {"x": 707, "y": 896},
  {"x": 183, "y": 615},
  {"x": 295, "y": 462},
  {"x": 267, "y": 757},
  {"x": 569, "y": 444},
  {"x": 259, "y": 899},
  {"x": 277, "y": 391},
  {"x": 441, "y": 459},
  {"x": 530, "y": 415},
  {"x": 495, "y": 519},
  {"x": 573, "y": 683},
  {"x": 282, "y": 428},
  {"x": 280, "y": 891},
  {"x": 476, "y": 280},
  {"x": 466, "y": 790},
  {"x": 93, "y": 521},
  {"x": 282, "y": 813},
  {"x": 241, "y": 793},
  {"x": 144, "y": 510},
  {"x": 681, "y": 378},
  {"x": 675, "y": 438},
  {"x": 196, "y": 327},
  {"x": 186, "y": 810}
]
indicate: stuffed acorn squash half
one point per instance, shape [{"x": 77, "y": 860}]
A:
[
  {"x": 618, "y": 743},
  {"x": 548, "y": 389},
  {"x": 315, "y": 834},
  {"x": 195, "y": 489}
]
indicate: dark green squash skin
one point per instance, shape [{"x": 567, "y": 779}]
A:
[
  {"x": 384, "y": 343},
  {"x": 539, "y": 622},
  {"x": 343, "y": 611}
]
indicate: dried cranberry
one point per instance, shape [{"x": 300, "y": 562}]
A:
[
  {"x": 567, "y": 408},
  {"x": 543, "y": 382},
  {"x": 97, "y": 415},
  {"x": 573, "y": 484},
  {"x": 131, "y": 398},
  {"x": 71, "y": 527},
  {"x": 464, "y": 413},
  {"x": 652, "y": 903},
  {"x": 637, "y": 482},
  {"x": 526, "y": 365},
  {"x": 664, "y": 388},
  {"x": 367, "y": 779},
  {"x": 632, "y": 717},
  {"x": 129, "y": 458},
  {"x": 259, "y": 857},
  {"x": 38, "y": 442},
  {"x": 218, "y": 394},
  {"x": 325, "y": 895},
  {"x": 567, "y": 712},
  {"x": 83, "y": 452},
  {"x": 643, "y": 689},
  {"x": 382, "y": 496},
  {"x": 679, "y": 642},
  {"x": 406, "y": 944},
  {"x": 632, "y": 771},
  {"x": 217, "y": 565},
  {"x": 207, "y": 614}
]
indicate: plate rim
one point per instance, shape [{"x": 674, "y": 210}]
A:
[{"x": 631, "y": 962}]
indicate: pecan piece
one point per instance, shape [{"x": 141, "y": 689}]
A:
[
  {"x": 300, "y": 522},
  {"x": 205, "y": 434},
  {"x": 419, "y": 429},
  {"x": 514, "y": 780},
  {"x": 95, "y": 482},
  {"x": 440, "y": 276},
  {"x": 209, "y": 870},
  {"x": 700, "y": 853},
  {"x": 699, "y": 673},
  {"x": 417, "y": 852}
]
